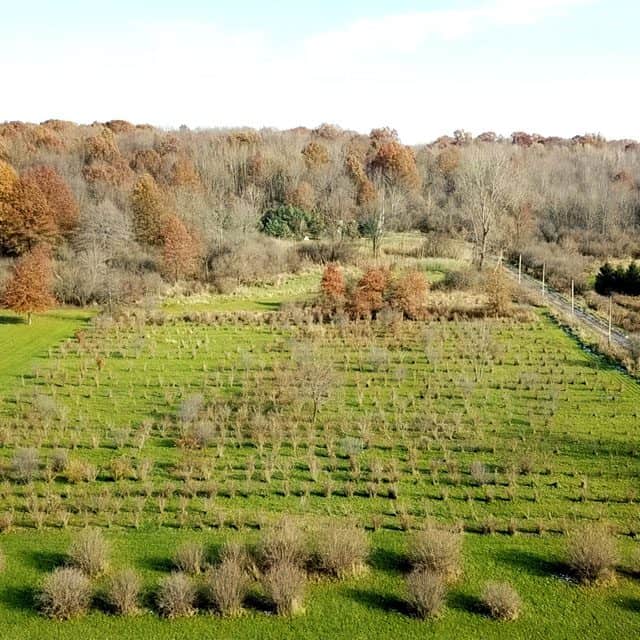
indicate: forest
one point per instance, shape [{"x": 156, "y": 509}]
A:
[{"x": 128, "y": 210}]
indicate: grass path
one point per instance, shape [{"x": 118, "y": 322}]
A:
[{"x": 21, "y": 346}]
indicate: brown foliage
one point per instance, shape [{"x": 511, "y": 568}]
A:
[
  {"x": 26, "y": 217},
  {"x": 499, "y": 292},
  {"x": 302, "y": 196},
  {"x": 368, "y": 297},
  {"x": 149, "y": 210},
  {"x": 409, "y": 294},
  {"x": 102, "y": 146},
  {"x": 8, "y": 179},
  {"x": 448, "y": 160},
  {"x": 30, "y": 285},
  {"x": 315, "y": 155},
  {"x": 333, "y": 288},
  {"x": 181, "y": 250},
  {"x": 397, "y": 163},
  {"x": 62, "y": 202}
]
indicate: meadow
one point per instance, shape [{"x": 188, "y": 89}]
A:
[{"x": 211, "y": 420}]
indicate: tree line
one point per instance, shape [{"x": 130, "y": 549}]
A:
[{"x": 127, "y": 208}]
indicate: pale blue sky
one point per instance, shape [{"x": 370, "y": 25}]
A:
[{"x": 423, "y": 67}]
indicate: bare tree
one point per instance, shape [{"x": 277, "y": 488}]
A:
[{"x": 484, "y": 185}]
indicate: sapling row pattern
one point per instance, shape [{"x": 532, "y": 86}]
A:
[{"x": 205, "y": 421}]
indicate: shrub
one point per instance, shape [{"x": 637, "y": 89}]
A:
[
  {"x": 123, "y": 592},
  {"x": 65, "y": 594},
  {"x": 501, "y": 601},
  {"x": 284, "y": 585},
  {"x": 499, "y": 292},
  {"x": 176, "y": 596},
  {"x": 59, "y": 460},
  {"x": 341, "y": 552},
  {"x": 190, "y": 558},
  {"x": 227, "y": 586},
  {"x": 409, "y": 294},
  {"x": 3, "y": 561},
  {"x": 591, "y": 554},
  {"x": 427, "y": 591},
  {"x": 89, "y": 552},
  {"x": 25, "y": 464},
  {"x": 436, "y": 550},
  {"x": 283, "y": 543},
  {"x": 327, "y": 252}
]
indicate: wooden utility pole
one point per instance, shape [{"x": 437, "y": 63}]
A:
[
  {"x": 610, "y": 318},
  {"x": 520, "y": 269},
  {"x": 573, "y": 301}
]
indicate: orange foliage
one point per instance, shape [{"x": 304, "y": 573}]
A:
[
  {"x": 102, "y": 146},
  {"x": 149, "y": 210},
  {"x": 396, "y": 162},
  {"x": 181, "y": 251},
  {"x": 8, "y": 179},
  {"x": 183, "y": 173},
  {"x": 315, "y": 155},
  {"x": 27, "y": 218},
  {"x": 366, "y": 192},
  {"x": 62, "y": 202},
  {"x": 146, "y": 161},
  {"x": 409, "y": 294},
  {"x": 302, "y": 196},
  {"x": 30, "y": 286},
  {"x": 448, "y": 160},
  {"x": 333, "y": 288},
  {"x": 368, "y": 297}
]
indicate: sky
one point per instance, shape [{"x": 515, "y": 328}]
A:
[{"x": 425, "y": 68}]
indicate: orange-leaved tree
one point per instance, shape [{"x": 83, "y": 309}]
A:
[
  {"x": 369, "y": 295},
  {"x": 181, "y": 251},
  {"x": 149, "y": 210},
  {"x": 26, "y": 218},
  {"x": 333, "y": 288},
  {"x": 409, "y": 294},
  {"x": 62, "y": 202},
  {"x": 29, "y": 288}
]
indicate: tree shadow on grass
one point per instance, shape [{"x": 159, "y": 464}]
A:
[
  {"x": 19, "y": 598},
  {"x": 465, "y": 602},
  {"x": 46, "y": 560},
  {"x": 157, "y": 563},
  {"x": 388, "y": 560},
  {"x": 11, "y": 320},
  {"x": 532, "y": 563},
  {"x": 379, "y": 601},
  {"x": 630, "y": 604}
]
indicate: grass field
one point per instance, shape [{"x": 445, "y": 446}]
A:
[{"x": 203, "y": 427}]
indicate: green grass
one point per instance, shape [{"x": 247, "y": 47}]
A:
[
  {"x": 419, "y": 403},
  {"x": 267, "y": 297},
  {"x": 365, "y": 607},
  {"x": 22, "y": 346}
]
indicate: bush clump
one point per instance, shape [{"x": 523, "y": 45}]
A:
[
  {"x": 427, "y": 592},
  {"x": 89, "y": 552},
  {"x": 501, "y": 601},
  {"x": 65, "y": 594},
  {"x": 176, "y": 596},
  {"x": 436, "y": 550},
  {"x": 123, "y": 592},
  {"x": 283, "y": 543},
  {"x": 190, "y": 558},
  {"x": 284, "y": 584},
  {"x": 341, "y": 552},
  {"x": 227, "y": 586},
  {"x": 591, "y": 554}
]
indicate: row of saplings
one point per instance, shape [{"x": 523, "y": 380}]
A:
[{"x": 281, "y": 563}]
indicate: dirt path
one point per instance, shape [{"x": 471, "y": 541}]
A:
[{"x": 587, "y": 318}]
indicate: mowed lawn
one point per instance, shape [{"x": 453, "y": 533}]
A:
[
  {"x": 371, "y": 606},
  {"x": 21, "y": 346},
  {"x": 501, "y": 427}
]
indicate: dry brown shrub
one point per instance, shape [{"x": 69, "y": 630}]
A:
[
  {"x": 176, "y": 596},
  {"x": 592, "y": 554},
  {"x": 501, "y": 601},
  {"x": 284, "y": 585},
  {"x": 437, "y": 550},
  {"x": 65, "y": 594},
  {"x": 427, "y": 591},
  {"x": 89, "y": 552}
]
